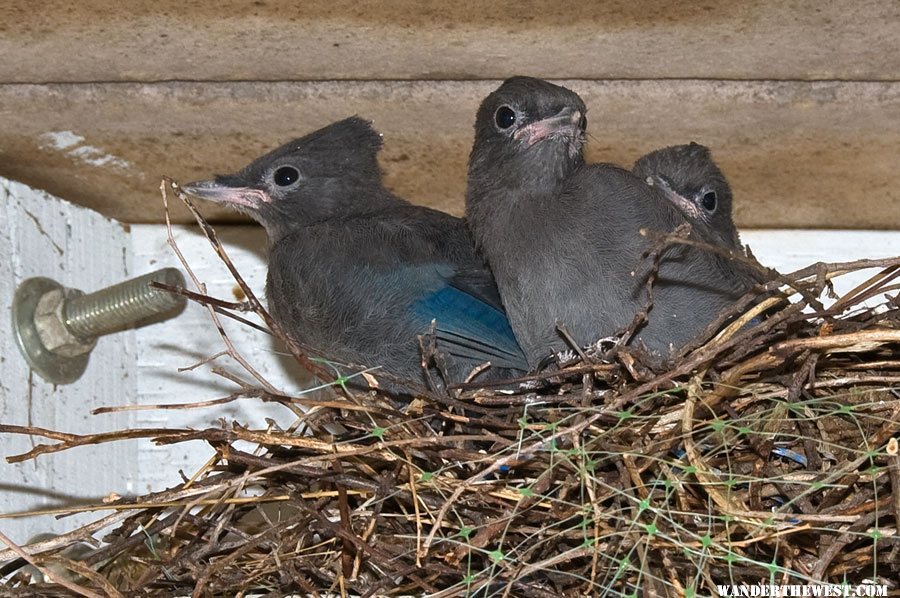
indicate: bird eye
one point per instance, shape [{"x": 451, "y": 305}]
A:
[
  {"x": 286, "y": 176},
  {"x": 582, "y": 124},
  {"x": 505, "y": 117},
  {"x": 709, "y": 201}
]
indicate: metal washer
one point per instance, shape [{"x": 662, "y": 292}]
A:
[{"x": 57, "y": 369}]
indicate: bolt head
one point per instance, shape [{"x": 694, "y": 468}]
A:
[
  {"x": 50, "y": 322},
  {"x": 51, "y": 366}
]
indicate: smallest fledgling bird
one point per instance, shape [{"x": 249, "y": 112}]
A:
[{"x": 690, "y": 179}]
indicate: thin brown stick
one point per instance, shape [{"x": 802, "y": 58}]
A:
[
  {"x": 69, "y": 441},
  {"x": 232, "y": 351}
]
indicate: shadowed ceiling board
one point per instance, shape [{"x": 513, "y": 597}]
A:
[
  {"x": 231, "y": 40},
  {"x": 798, "y": 154}
]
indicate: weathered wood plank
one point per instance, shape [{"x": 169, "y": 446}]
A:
[
  {"x": 228, "y": 40},
  {"x": 805, "y": 155}
]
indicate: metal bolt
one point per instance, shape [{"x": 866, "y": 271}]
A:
[{"x": 56, "y": 328}]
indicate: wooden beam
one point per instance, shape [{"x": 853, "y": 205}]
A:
[
  {"x": 798, "y": 154},
  {"x": 232, "y": 40}
]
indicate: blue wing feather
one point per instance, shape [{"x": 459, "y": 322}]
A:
[{"x": 471, "y": 328}]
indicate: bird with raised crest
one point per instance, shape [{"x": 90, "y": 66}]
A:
[{"x": 356, "y": 272}]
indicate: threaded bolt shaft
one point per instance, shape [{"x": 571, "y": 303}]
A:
[
  {"x": 122, "y": 305},
  {"x": 56, "y": 328}
]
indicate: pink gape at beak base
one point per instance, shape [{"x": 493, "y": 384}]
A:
[
  {"x": 245, "y": 197},
  {"x": 565, "y": 123},
  {"x": 683, "y": 203}
]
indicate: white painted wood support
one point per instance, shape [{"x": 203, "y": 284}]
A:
[
  {"x": 41, "y": 235},
  {"x": 191, "y": 338},
  {"x": 44, "y": 236}
]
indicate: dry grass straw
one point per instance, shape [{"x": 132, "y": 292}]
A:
[{"x": 767, "y": 453}]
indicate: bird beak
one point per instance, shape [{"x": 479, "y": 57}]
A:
[
  {"x": 565, "y": 123},
  {"x": 683, "y": 203},
  {"x": 238, "y": 197}
]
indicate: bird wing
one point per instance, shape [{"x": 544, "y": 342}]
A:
[
  {"x": 406, "y": 258},
  {"x": 477, "y": 281},
  {"x": 465, "y": 303},
  {"x": 468, "y": 327}
]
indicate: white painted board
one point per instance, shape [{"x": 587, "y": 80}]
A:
[
  {"x": 192, "y": 338},
  {"x": 44, "y": 236}
]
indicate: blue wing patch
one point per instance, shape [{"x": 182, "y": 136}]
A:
[{"x": 469, "y": 328}]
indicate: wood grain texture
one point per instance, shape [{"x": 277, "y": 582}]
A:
[
  {"x": 798, "y": 154},
  {"x": 233, "y": 40}
]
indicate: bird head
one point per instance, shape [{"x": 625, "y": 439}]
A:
[
  {"x": 689, "y": 178},
  {"x": 528, "y": 132},
  {"x": 306, "y": 180}
]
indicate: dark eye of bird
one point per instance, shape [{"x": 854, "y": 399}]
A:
[
  {"x": 286, "y": 176},
  {"x": 582, "y": 124},
  {"x": 709, "y": 201},
  {"x": 505, "y": 117}
]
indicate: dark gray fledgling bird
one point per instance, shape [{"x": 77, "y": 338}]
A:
[
  {"x": 563, "y": 238},
  {"x": 689, "y": 178},
  {"x": 356, "y": 272}
]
